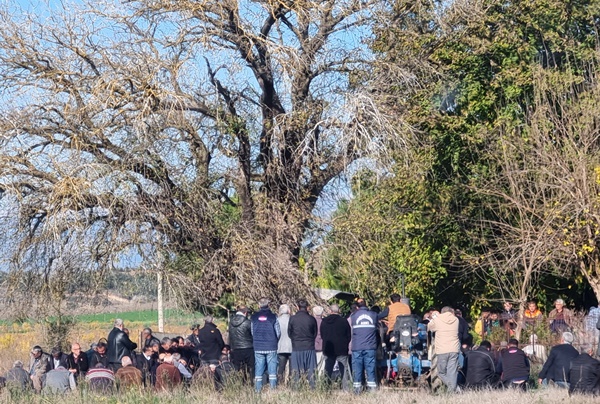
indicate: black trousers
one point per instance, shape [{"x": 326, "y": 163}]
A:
[{"x": 243, "y": 360}]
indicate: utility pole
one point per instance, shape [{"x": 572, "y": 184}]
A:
[{"x": 161, "y": 314}]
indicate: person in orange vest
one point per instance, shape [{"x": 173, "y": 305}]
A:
[
  {"x": 395, "y": 309},
  {"x": 533, "y": 315}
]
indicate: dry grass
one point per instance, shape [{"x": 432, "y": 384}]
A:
[{"x": 246, "y": 395}]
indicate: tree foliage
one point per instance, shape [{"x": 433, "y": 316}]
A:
[{"x": 167, "y": 128}]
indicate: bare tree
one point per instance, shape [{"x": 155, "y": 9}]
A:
[{"x": 204, "y": 130}]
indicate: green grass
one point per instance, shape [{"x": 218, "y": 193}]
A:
[{"x": 141, "y": 316}]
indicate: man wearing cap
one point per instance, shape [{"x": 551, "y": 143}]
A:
[
  {"x": 17, "y": 378},
  {"x": 39, "y": 364},
  {"x": 560, "y": 318},
  {"x": 558, "y": 364}
]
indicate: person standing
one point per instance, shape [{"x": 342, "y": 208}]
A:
[
  {"x": 119, "y": 345},
  {"x": 284, "y": 346},
  {"x": 302, "y": 330},
  {"x": 364, "y": 345},
  {"x": 446, "y": 345},
  {"x": 336, "y": 334},
  {"x": 211, "y": 341},
  {"x": 317, "y": 312},
  {"x": 242, "y": 345},
  {"x": 265, "y": 335}
]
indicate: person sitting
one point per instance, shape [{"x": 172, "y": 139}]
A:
[
  {"x": 99, "y": 356},
  {"x": 558, "y": 364},
  {"x": 560, "y": 318},
  {"x": 128, "y": 376},
  {"x": 396, "y": 308},
  {"x": 535, "y": 352},
  {"x": 584, "y": 373},
  {"x": 58, "y": 381},
  {"x": 17, "y": 378},
  {"x": 514, "y": 366},
  {"x": 78, "y": 362},
  {"x": 100, "y": 379},
  {"x": 168, "y": 376},
  {"x": 147, "y": 363},
  {"x": 39, "y": 364},
  {"x": 223, "y": 372},
  {"x": 480, "y": 367},
  {"x": 180, "y": 364},
  {"x": 532, "y": 315},
  {"x": 58, "y": 358}
]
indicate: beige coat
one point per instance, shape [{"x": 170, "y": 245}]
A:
[{"x": 445, "y": 326}]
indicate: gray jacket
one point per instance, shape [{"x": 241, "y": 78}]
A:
[{"x": 285, "y": 343}]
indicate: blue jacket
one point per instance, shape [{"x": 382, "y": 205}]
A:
[
  {"x": 265, "y": 330},
  {"x": 364, "y": 329}
]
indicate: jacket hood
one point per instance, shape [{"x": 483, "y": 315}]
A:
[
  {"x": 447, "y": 318},
  {"x": 330, "y": 319},
  {"x": 238, "y": 320}
]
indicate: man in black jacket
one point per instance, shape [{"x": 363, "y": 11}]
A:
[
  {"x": 584, "y": 375},
  {"x": 148, "y": 338},
  {"x": 147, "y": 362},
  {"x": 480, "y": 367},
  {"x": 119, "y": 345},
  {"x": 211, "y": 342},
  {"x": 302, "y": 330},
  {"x": 242, "y": 344},
  {"x": 558, "y": 364},
  {"x": 514, "y": 366},
  {"x": 336, "y": 334},
  {"x": 58, "y": 358}
]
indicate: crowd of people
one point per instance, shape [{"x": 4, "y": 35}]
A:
[{"x": 266, "y": 349}]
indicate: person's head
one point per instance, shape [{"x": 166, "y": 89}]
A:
[
  {"x": 317, "y": 311},
  {"x": 166, "y": 343},
  {"x": 36, "y": 351},
  {"x": 263, "y": 303},
  {"x": 226, "y": 349},
  {"x": 208, "y": 319},
  {"x": 395, "y": 297},
  {"x": 559, "y": 304},
  {"x": 176, "y": 357},
  {"x": 56, "y": 352},
  {"x": 531, "y": 306},
  {"x": 447, "y": 309},
  {"x": 284, "y": 309},
  {"x": 94, "y": 346},
  {"x": 586, "y": 348},
  {"x": 242, "y": 309},
  {"x": 353, "y": 307},
  {"x": 126, "y": 361},
  {"x": 302, "y": 305},
  {"x": 147, "y": 333},
  {"x": 75, "y": 348},
  {"x": 148, "y": 350},
  {"x": 101, "y": 349},
  {"x": 361, "y": 303},
  {"x": 513, "y": 343},
  {"x": 18, "y": 364},
  {"x": 174, "y": 342},
  {"x": 507, "y": 306},
  {"x": 155, "y": 346},
  {"x": 458, "y": 313},
  {"x": 486, "y": 344},
  {"x": 181, "y": 341},
  {"x": 334, "y": 308},
  {"x": 494, "y": 316},
  {"x": 567, "y": 338}
]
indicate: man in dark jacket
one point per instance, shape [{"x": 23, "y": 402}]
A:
[
  {"x": 558, "y": 364},
  {"x": 241, "y": 342},
  {"x": 211, "y": 341},
  {"x": 584, "y": 375},
  {"x": 480, "y": 367},
  {"x": 265, "y": 336},
  {"x": 302, "y": 330},
  {"x": 336, "y": 334},
  {"x": 78, "y": 362},
  {"x": 364, "y": 344},
  {"x": 119, "y": 345},
  {"x": 514, "y": 366},
  {"x": 58, "y": 358},
  {"x": 147, "y": 362},
  {"x": 148, "y": 338}
]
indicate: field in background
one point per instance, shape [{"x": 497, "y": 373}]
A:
[{"x": 17, "y": 339}]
